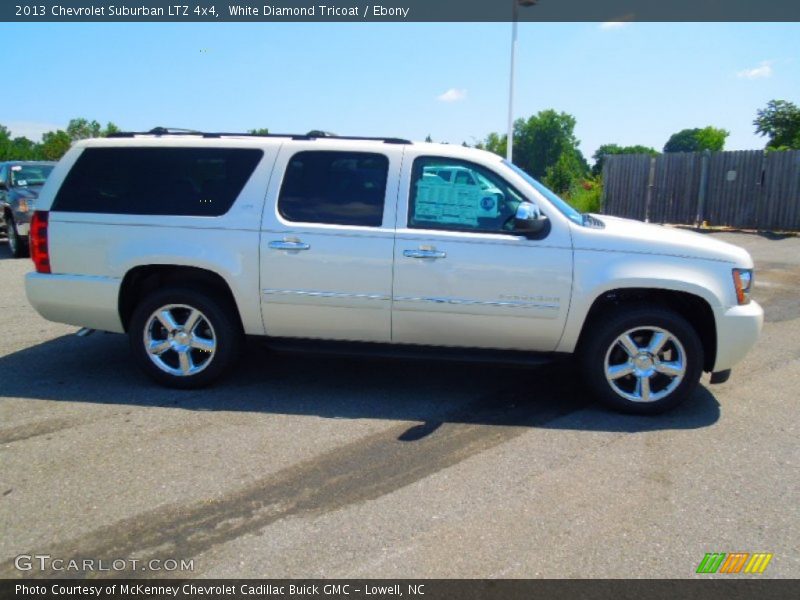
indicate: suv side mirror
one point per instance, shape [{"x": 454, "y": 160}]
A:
[{"x": 529, "y": 220}]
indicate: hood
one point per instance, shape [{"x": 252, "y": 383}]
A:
[{"x": 628, "y": 235}]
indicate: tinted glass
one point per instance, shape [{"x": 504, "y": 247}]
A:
[
  {"x": 28, "y": 175},
  {"x": 562, "y": 206},
  {"x": 157, "y": 181},
  {"x": 337, "y": 188},
  {"x": 471, "y": 199}
]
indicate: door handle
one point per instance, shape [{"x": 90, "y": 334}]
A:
[
  {"x": 288, "y": 245},
  {"x": 421, "y": 253}
]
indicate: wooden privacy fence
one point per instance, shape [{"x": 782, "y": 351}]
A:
[{"x": 748, "y": 189}]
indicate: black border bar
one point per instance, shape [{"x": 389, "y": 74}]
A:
[
  {"x": 397, "y": 10},
  {"x": 732, "y": 588}
]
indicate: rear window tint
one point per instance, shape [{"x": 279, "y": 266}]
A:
[
  {"x": 337, "y": 188},
  {"x": 157, "y": 181}
]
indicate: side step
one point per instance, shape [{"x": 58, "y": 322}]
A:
[{"x": 412, "y": 352}]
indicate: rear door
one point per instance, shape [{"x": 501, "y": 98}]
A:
[{"x": 327, "y": 241}]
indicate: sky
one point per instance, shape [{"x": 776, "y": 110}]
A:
[{"x": 633, "y": 83}]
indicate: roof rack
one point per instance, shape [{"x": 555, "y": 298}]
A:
[{"x": 310, "y": 136}]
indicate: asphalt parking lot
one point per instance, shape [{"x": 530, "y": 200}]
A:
[{"x": 332, "y": 467}]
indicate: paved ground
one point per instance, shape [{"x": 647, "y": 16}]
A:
[{"x": 353, "y": 468}]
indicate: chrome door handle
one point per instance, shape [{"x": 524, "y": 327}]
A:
[
  {"x": 288, "y": 245},
  {"x": 424, "y": 253}
]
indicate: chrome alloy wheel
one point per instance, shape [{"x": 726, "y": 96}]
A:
[
  {"x": 180, "y": 340},
  {"x": 645, "y": 364}
]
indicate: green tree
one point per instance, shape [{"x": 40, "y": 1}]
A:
[
  {"x": 55, "y": 144},
  {"x": 494, "y": 142},
  {"x": 697, "y": 140},
  {"x": 18, "y": 148},
  {"x": 24, "y": 149},
  {"x": 81, "y": 129},
  {"x": 5, "y": 143},
  {"x": 259, "y": 131},
  {"x": 540, "y": 143},
  {"x": 567, "y": 170},
  {"x": 712, "y": 138},
  {"x": 610, "y": 149},
  {"x": 780, "y": 120}
]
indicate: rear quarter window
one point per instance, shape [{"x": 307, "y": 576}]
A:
[{"x": 157, "y": 181}]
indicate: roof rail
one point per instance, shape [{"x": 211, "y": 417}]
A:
[{"x": 310, "y": 136}]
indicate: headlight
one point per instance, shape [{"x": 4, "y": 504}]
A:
[{"x": 743, "y": 283}]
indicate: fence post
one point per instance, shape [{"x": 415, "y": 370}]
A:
[
  {"x": 701, "y": 193},
  {"x": 760, "y": 193},
  {"x": 651, "y": 181}
]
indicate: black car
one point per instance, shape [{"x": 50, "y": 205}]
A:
[{"x": 20, "y": 182}]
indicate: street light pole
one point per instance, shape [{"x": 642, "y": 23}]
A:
[{"x": 515, "y": 17}]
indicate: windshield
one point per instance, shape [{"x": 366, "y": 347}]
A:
[
  {"x": 565, "y": 209},
  {"x": 25, "y": 175}
]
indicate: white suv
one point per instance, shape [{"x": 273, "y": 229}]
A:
[{"x": 188, "y": 242}]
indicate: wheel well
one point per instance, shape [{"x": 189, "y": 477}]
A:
[
  {"x": 692, "y": 308},
  {"x": 140, "y": 281}
]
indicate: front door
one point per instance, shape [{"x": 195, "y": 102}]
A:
[{"x": 461, "y": 276}]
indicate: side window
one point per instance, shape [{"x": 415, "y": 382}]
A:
[
  {"x": 3, "y": 174},
  {"x": 336, "y": 188},
  {"x": 473, "y": 199},
  {"x": 157, "y": 181}
]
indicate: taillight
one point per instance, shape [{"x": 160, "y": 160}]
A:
[{"x": 38, "y": 242}]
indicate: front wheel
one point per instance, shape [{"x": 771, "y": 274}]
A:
[
  {"x": 17, "y": 245},
  {"x": 642, "y": 360},
  {"x": 185, "y": 338}
]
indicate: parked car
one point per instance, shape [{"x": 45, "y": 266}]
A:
[
  {"x": 187, "y": 242},
  {"x": 20, "y": 182}
]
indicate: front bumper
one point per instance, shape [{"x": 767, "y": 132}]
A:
[
  {"x": 82, "y": 300},
  {"x": 738, "y": 329}
]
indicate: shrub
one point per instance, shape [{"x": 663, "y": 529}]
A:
[{"x": 586, "y": 195}]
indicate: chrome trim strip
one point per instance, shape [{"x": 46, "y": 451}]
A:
[
  {"x": 463, "y": 302},
  {"x": 320, "y": 294},
  {"x": 432, "y": 300}
]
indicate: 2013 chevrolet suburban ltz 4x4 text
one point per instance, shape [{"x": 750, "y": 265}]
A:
[{"x": 187, "y": 242}]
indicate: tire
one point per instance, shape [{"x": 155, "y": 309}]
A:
[
  {"x": 188, "y": 358},
  {"x": 17, "y": 244},
  {"x": 652, "y": 370}
]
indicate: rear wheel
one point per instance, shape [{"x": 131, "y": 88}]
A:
[
  {"x": 185, "y": 338},
  {"x": 642, "y": 360}
]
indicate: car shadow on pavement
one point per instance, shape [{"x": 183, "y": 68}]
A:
[{"x": 98, "y": 369}]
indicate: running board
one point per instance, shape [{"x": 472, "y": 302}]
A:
[{"x": 412, "y": 352}]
